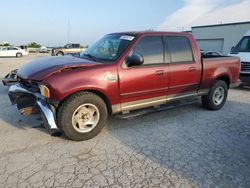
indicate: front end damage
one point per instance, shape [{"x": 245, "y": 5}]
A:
[
  {"x": 27, "y": 97},
  {"x": 10, "y": 78}
]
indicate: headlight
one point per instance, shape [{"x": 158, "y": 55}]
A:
[{"x": 44, "y": 91}]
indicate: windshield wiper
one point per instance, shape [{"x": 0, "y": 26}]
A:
[{"x": 90, "y": 56}]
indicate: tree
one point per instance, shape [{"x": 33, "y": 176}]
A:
[
  {"x": 6, "y": 44},
  {"x": 33, "y": 45},
  {"x": 86, "y": 46}
]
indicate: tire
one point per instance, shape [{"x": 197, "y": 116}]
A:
[
  {"x": 19, "y": 54},
  {"x": 60, "y": 54},
  {"x": 216, "y": 97},
  {"x": 82, "y": 116}
]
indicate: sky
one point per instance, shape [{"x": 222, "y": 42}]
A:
[{"x": 48, "y": 21}]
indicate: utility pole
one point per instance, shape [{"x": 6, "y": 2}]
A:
[{"x": 68, "y": 29}]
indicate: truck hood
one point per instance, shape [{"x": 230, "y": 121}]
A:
[{"x": 43, "y": 67}]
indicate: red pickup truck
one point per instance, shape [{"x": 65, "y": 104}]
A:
[{"x": 120, "y": 73}]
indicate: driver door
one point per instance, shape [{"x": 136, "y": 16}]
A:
[
  {"x": 147, "y": 84},
  {"x": 69, "y": 49}
]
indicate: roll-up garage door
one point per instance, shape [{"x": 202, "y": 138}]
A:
[{"x": 211, "y": 44}]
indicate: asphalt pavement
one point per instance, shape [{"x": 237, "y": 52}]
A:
[{"x": 183, "y": 147}]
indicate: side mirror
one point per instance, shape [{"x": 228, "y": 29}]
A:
[{"x": 135, "y": 60}]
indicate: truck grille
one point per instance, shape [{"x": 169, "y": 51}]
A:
[
  {"x": 29, "y": 85},
  {"x": 245, "y": 66}
]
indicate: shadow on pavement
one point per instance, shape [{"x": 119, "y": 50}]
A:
[{"x": 207, "y": 148}]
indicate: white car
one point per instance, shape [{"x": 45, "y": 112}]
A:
[{"x": 12, "y": 52}]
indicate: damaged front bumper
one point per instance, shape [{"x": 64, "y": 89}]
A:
[
  {"x": 10, "y": 78},
  {"x": 24, "y": 98}
]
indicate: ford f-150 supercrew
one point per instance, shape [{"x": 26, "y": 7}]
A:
[{"x": 120, "y": 73}]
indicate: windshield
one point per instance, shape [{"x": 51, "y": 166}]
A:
[
  {"x": 243, "y": 45},
  {"x": 109, "y": 48}
]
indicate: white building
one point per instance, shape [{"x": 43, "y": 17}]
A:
[{"x": 221, "y": 37}]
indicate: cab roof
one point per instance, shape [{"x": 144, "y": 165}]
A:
[{"x": 151, "y": 33}]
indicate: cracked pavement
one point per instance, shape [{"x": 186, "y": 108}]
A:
[{"x": 183, "y": 147}]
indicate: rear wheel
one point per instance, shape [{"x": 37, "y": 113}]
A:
[
  {"x": 216, "y": 97},
  {"x": 19, "y": 54},
  {"x": 82, "y": 116}
]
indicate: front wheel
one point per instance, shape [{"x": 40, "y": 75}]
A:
[
  {"x": 82, "y": 116},
  {"x": 216, "y": 97}
]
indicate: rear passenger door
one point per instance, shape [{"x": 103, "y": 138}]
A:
[
  {"x": 184, "y": 71},
  {"x": 76, "y": 48}
]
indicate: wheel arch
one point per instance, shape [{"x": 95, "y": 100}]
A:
[
  {"x": 19, "y": 53},
  {"x": 224, "y": 78},
  {"x": 60, "y": 52},
  {"x": 97, "y": 92}
]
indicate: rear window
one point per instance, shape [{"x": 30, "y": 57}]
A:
[
  {"x": 76, "y": 45},
  {"x": 179, "y": 49}
]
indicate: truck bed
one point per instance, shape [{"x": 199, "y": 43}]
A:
[{"x": 219, "y": 67}]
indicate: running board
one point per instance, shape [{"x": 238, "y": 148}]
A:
[{"x": 168, "y": 106}]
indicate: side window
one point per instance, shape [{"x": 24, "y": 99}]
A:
[
  {"x": 69, "y": 46},
  {"x": 75, "y": 45},
  {"x": 151, "y": 48},
  {"x": 244, "y": 45},
  {"x": 180, "y": 49},
  {"x": 12, "y": 48}
]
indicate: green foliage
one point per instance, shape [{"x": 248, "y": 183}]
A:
[
  {"x": 86, "y": 46},
  {"x": 33, "y": 45}
]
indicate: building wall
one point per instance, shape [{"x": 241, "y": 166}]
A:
[{"x": 220, "y": 37}]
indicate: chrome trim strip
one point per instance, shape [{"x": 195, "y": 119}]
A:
[
  {"x": 17, "y": 88},
  {"x": 145, "y": 91},
  {"x": 134, "y": 105},
  {"x": 244, "y": 72},
  {"x": 116, "y": 108},
  {"x": 43, "y": 105},
  {"x": 143, "y": 103},
  {"x": 48, "y": 114},
  {"x": 153, "y": 101},
  {"x": 202, "y": 92},
  {"x": 183, "y": 85}
]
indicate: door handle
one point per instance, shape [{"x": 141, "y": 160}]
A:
[
  {"x": 191, "y": 69},
  {"x": 159, "y": 73}
]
